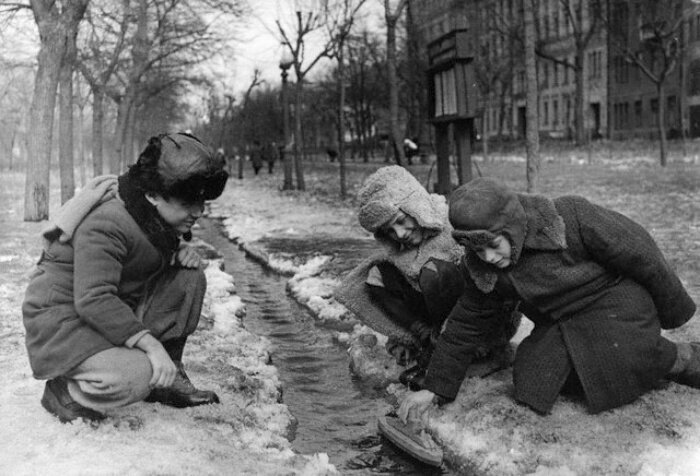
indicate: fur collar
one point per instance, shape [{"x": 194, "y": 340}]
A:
[{"x": 544, "y": 230}]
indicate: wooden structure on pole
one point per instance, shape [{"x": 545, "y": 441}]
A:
[{"x": 453, "y": 104}]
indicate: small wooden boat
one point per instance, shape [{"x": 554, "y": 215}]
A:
[{"x": 411, "y": 439}]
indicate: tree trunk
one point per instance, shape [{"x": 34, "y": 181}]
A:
[
  {"x": 66, "y": 158},
  {"x": 393, "y": 81},
  {"x": 579, "y": 99},
  {"x": 298, "y": 137},
  {"x": 341, "y": 120},
  {"x": 285, "y": 156},
  {"x": 97, "y": 131},
  {"x": 661, "y": 123},
  {"x": 115, "y": 159},
  {"x": 81, "y": 146},
  {"x": 41, "y": 111},
  {"x": 54, "y": 28},
  {"x": 532, "y": 98}
]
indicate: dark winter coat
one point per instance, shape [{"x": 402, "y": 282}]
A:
[
  {"x": 598, "y": 290},
  {"x": 84, "y": 294}
]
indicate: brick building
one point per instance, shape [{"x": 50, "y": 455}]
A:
[{"x": 619, "y": 100}]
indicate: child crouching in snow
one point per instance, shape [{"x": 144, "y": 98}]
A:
[
  {"x": 594, "y": 283},
  {"x": 116, "y": 291},
  {"x": 407, "y": 290}
]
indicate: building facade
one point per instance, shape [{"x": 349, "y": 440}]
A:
[{"x": 577, "y": 43}]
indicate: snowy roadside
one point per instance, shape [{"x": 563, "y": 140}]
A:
[
  {"x": 245, "y": 434},
  {"x": 484, "y": 431}
]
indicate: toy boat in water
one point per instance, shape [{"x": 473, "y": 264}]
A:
[{"x": 411, "y": 439}]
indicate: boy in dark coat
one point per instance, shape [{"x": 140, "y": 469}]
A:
[
  {"x": 117, "y": 291},
  {"x": 594, "y": 283}
]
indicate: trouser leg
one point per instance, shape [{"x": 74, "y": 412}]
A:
[
  {"x": 112, "y": 378},
  {"x": 175, "y": 307}
]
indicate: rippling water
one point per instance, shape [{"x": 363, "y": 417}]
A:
[{"x": 335, "y": 414}]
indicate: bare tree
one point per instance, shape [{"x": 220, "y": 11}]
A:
[
  {"x": 339, "y": 31},
  {"x": 532, "y": 96},
  {"x": 655, "y": 52},
  {"x": 56, "y": 21},
  {"x": 99, "y": 59},
  {"x": 171, "y": 37},
  {"x": 294, "y": 39},
  {"x": 392, "y": 16},
  {"x": 65, "y": 127}
]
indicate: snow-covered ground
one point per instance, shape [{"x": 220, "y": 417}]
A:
[
  {"x": 245, "y": 434},
  {"x": 483, "y": 431}
]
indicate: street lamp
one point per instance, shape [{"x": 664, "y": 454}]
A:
[{"x": 286, "y": 61}]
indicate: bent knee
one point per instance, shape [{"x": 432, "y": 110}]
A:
[{"x": 116, "y": 377}]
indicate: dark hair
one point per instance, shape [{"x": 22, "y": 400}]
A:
[{"x": 146, "y": 174}]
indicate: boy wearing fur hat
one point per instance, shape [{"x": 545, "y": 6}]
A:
[
  {"x": 594, "y": 283},
  {"x": 407, "y": 290},
  {"x": 116, "y": 291}
]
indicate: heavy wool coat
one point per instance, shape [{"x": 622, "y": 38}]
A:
[
  {"x": 84, "y": 294},
  {"x": 598, "y": 290}
]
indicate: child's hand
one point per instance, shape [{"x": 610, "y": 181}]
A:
[
  {"x": 414, "y": 404},
  {"x": 403, "y": 353},
  {"x": 164, "y": 370},
  {"x": 187, "y": 257}
]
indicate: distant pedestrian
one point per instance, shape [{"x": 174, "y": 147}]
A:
[
  {"x": 271, "y": 156},
  {"x": 332, "y": 153},
  {"x": 256, "y": 156}
]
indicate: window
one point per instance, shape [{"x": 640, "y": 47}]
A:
[
  {"x": 638, "y": 113},
  {"x": 654, "y": 103},
  {"x": 555, "y": 113},
  {"x": 545, "y": 110},
  {"x": 555, "y": 75}
]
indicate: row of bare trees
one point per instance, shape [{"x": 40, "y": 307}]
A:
[
  {"x": 373, "y": 77},
  {"x": 136, "y": 56}
]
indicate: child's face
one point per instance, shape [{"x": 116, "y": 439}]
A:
[
  {"x": 497, "y": 252},
  {"x": 405, "y": 230},
  {"x": 178, "y": 214}
]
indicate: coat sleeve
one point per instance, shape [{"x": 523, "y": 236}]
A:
[
  {"x": 626, "y": 248},
  {"x": 100, "y": 249},
  {"x": 470, "y": 325}
]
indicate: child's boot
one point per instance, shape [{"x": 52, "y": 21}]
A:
[{"x": 686, "y": 369}]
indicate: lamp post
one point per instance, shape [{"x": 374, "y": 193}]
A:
[{"x": 285, "y": 63}]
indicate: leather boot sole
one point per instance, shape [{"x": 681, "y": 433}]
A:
[{"x": 57, "y": 401}]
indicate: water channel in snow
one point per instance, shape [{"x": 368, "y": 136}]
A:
[{"x": 335, "y": 413}]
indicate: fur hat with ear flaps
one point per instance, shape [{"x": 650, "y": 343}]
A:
[
  {"x": 382, "y": 195},
  {"x": 179, "y": 165},
  {"x": 485, "y": 208},
  {"x": 391, "y": 189}
]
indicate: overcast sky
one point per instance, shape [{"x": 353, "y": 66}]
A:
[{"x": 260, "y": 46}]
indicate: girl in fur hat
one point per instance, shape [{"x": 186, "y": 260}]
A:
[
  {"x": 407, "y": 290},
  {"x": 594, "y": 283},
  {"x": 116, "y": 291}
]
